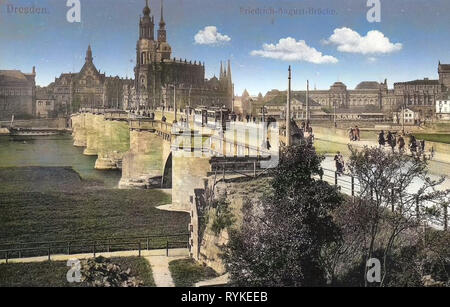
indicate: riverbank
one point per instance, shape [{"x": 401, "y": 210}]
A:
[{"x": 40, "y": 204}]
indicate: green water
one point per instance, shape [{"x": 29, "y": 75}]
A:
[{"x": 53, "y": 151}]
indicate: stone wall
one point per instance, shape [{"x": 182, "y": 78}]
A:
[
  {"x": 209, "y": 248},
  {"x": 54, "y": 123},
  {"x": 189, "y": 171}
]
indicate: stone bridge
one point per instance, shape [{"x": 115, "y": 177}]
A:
[{"x": 153, "y": 153}]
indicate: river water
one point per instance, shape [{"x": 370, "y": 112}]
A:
[{"x": 53, "y": 151}]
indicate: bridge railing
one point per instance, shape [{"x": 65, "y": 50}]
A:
[
  {"x": 351, "y": 186},
  {"x": 47, "y": 249}
]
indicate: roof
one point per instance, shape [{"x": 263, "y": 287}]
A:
[
  {"x": 444, "y": 66},
  {"x": 281, "y": 99},
  {"x": 12, "y": 76},
  {"x": 368, "y": 85},
  {"x": 420, "y": 82}
]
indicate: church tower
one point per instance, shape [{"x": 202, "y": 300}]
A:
[
  {"x": 147, "y": 25},
  {"x": 145, "y": 56}
]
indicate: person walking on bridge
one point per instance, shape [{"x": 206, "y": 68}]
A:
[
  {"x": 381, "y": 139},
  {"x": 401, "y": 144}
]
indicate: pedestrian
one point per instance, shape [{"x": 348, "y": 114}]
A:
[
  {"x": 339, "y": 160},
  {"x": 358, "y": 133},
  {"x": 381, "y": 139},
  {"x": 422, "y": 146},
  {"x": 393, "y": 143},
  {"x": 401, "y": 144},
  {"x": 351, "y": 134},
  {"x": 413, "y": 144}
]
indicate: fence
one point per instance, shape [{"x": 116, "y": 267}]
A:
[
  {"x": 36, "y": 249},
  {"x": 351, "y": 186}
]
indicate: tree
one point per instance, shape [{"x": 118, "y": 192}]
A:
[
  {"x": 396, "y": 192},
  {"x": 285, "y": 232}
]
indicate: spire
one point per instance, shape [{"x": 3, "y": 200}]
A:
[
  {"x": 162, "y": 23},
  {"x": 89, "y": 54},
  {"x": 221, "y": 70},
  {"x": 146, "y": 9},
  {"x": 162, "y": 34},
  {"x": 229, "y": 71}
]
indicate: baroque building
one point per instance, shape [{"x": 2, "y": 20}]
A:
[
  {"x": 17, "y": 94},
  {"x": 161, "y": 80},
  {"x": 421, "y": 95},
  {"x": 367, "y": 96}
]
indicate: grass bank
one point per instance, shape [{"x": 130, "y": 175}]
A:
[
  {"x": 52, "y": 204},
  {"x": 438, "y": 138},
  {"x": 53, "y": 273},
  {"x": 187, "y": 272}
]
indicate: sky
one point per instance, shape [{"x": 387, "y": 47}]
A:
[{"x": 324, "y": 40}]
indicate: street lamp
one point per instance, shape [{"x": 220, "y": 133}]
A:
[
  {"x": 175, "y": 100},
  {"x": 334, "y": 105},
  {"x": 403, "y": 119}
]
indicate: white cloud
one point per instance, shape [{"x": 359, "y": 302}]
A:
[
  {"x": 288, "y": 49},
  {"x": 351, "y": 41},
  {"x": 210, "y": 36}
]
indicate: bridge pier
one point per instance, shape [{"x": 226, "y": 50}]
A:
[
  {"x": 143, "y": 164},
  {"x": 113, "y": 143},
  {"x": 93, "y": 124},
  {"x": 79, "y": 130},
  {"x": 190, "y": 169}
]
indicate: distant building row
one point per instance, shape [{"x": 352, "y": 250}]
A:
[{"x": 369, "y": 97}]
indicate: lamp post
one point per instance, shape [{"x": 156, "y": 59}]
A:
[
  {"x": 403, "y": 119},
  {"x": 189, "y": 107},
  {"x": 307, "y": 101},
  {"x": 288, "y": 110},
  {"x": 175, "y": 100},
  {"x": 334, "y": 105}
]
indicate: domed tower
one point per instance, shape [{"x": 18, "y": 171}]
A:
[{"x": 147, "y": 25}]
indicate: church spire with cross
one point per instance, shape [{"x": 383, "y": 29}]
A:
[{"x": 162, "y": 34}]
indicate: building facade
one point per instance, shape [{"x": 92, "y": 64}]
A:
[
  {"x": 443, "y": 107},
  {"x": 422, "y": 95},
  {"x": 17, "y": 94},
  {"x": 367, "y": 96},
  {"x": 88, "y": 88}
]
